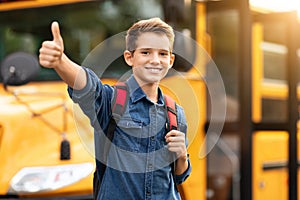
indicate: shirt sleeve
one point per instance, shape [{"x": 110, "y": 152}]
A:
[{"x": 93, "y": 99}]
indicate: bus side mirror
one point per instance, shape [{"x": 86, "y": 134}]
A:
[{"x": 19, "y": 68}]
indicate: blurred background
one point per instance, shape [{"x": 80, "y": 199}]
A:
[{"x": 236, "y": 74}]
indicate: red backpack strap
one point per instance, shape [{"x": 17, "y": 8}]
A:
[
  {"x": 172, "y": 123},
  {"x": 118, "y": 107},
  {"x": 120, "y": 99}
]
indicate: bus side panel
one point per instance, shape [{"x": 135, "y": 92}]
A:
[
  {"x": 31, "y": 137},
  {"x": 270, "y": 173}
]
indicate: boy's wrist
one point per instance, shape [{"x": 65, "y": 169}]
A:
[
  {"x": 183, "y": 157},
  {"x": 181, "y": 164}
]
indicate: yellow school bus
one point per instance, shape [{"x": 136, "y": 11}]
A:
[
  {"x": 236, "y": 75},
  {"x": 46, "y": 144}
]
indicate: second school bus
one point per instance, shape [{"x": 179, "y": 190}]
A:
[{"x": 255, "y": 157}]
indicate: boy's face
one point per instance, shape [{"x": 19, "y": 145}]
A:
[{"x": 151, "y": 59}]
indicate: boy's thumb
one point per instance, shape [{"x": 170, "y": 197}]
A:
[{"x": 56, "y": 34}]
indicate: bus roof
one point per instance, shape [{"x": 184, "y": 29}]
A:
[{"x": 23, "y": 4}]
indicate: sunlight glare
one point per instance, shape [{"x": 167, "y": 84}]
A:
[{"x": 276, "y": 5}]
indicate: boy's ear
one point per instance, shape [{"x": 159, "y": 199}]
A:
[
  {"x": 128, "y": 57},
  {"x": 172, "y": 59}
]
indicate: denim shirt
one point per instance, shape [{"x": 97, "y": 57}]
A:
[{"x": 138, "y": 163}]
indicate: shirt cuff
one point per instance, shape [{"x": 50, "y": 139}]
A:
[{"x": 182, "y": 177}]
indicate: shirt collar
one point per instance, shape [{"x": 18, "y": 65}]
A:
[{"x": 136, "y": 93}]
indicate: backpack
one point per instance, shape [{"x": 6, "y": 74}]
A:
[{"x": 119, "y": 103}]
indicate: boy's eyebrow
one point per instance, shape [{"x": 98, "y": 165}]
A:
[{"x": 151, "y": 49}]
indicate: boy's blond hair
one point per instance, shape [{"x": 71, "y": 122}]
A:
[{"x": 155, "y": 25}]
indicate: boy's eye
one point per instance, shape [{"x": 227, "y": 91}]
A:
[
  {"x": 145, "y": 52},
  {"x": 164, "y": 53}
]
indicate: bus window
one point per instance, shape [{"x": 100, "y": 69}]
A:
[
  {"x": 274, "y": 73},
  {"x": 223, "y": 29},
  {"x": 83, "y": 27},
  {"x": 274, "y": 61}
]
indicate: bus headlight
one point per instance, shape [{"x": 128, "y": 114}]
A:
[{"x": 37, "y": 179}]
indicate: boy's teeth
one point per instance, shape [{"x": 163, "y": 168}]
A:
[{"x": 154, "y": 70}]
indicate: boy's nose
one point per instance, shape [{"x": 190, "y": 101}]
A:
[{"x": 155, "y": 58}]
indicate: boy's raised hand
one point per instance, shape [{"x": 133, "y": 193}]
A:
[{"x": 51, "y": 51}]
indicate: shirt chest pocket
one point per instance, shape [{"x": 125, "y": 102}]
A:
[{"x": 128, "y": 134}]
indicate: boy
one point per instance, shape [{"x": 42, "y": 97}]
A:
[{"x": 139, "y": 164}]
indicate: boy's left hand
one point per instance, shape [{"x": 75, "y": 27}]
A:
[{"x": 176, "y": 143}]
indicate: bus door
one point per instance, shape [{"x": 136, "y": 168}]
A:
[
  {"x": 229, "y": 161},
  {"x": 275, "y": 77}
]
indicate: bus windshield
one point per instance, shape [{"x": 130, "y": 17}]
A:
[{"x": 83, "y": 27}]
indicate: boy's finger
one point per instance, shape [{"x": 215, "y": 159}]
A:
[
  {"x": 173, "y": 133},
  {"x": 56, "y": 34}
]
